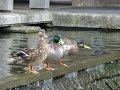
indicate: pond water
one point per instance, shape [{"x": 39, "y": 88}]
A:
[{"x": 9, "y": 42}]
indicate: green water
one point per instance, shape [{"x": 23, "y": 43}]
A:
[{"x": 15, "y": 42}]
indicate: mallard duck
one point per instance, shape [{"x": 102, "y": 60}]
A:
[
  {"x": 57, "y": 48},
  {"x": 55, "y": 51},
  {"x": 33, "y": 56},
  {"x": 71, "y": 47}
]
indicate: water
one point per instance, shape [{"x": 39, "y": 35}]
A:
[
  {"x": 94, "y": 78},
  {"x": 101, "y": 42},
  {"x": 73, "y": 77},
  {"x": 50, "y": 84},
  {"x": 39, "y": 85}
]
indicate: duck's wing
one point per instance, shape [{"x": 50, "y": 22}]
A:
[
  {"x": 70, "y": 46},
  {"x": 32, "y": 56},
  {"x": 29, "y": 50},
  {"x": 25, "y": 56},
  {"x": 67, "y": 41}
]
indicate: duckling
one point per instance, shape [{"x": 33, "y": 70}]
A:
[{"x": 33, "y": 56}]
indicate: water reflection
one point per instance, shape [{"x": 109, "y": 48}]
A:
[
  {"x": 108, "y": 42},
  {"x": 97, "y": 46}
]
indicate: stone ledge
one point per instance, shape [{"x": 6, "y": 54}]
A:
[
  {"x": 88, "y": 20},
  {"x": 21, "y": 29},
  {"x": 25, "y": 78},
  {"x": 24, "y": 17}
]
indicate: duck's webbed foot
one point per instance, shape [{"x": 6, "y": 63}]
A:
[
  {"x": 48, "y": 67},
  {"x": 34, "y": 72},
  {"x": 30, "y": 69},
  {"x": 63, "y": 64}
]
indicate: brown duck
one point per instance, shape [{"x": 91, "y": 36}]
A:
[{"x": 33, "y": 56}]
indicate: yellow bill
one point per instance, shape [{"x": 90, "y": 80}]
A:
[
  {"x": 61, "y": 42},
  {"x": 85, "y": 46}
]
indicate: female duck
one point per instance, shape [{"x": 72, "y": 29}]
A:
[{"x": 33, "y": 56}]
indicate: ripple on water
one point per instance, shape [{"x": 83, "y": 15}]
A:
[{"x": 14, "y": 42}]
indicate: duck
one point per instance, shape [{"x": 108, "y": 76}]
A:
[
  {"x": 58, "y": 47},
  {"x": 71, "y": 47},
  {"x": 33, "y": 56},
  {"x": 55, "y": 51}
]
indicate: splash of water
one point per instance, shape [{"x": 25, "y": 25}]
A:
[
  {"x": 73, "y": 77},
  {"x": 100, "y": 68},
  {"x": 39, "y": 85},
  {"x": 48, "y": 85},
  {"x": 91, "y": 72}
]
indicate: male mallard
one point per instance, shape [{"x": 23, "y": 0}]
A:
[
  {"x": 33, "y": 56},
  {"x": 55, "y": 51},
  {"x": 58, "y": 47},
  {"x": 71, "y": 47}
]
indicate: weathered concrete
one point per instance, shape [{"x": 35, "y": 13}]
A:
[
  {"x": 25, "y": 17},
  {"x": 25, "y": 78},
  {"x": 41, "y": 4},
  {"x": 22, "y": 29},
  {"x": 96, "y": 3},
  {"x": 6, "y": 5},
  {"x": 87, "y": 19},
  {"x": 66, "y": 17}
]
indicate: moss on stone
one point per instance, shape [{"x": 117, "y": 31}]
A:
[{"x": 26, "y": 78}]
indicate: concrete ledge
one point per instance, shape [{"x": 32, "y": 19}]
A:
[
  {"x": 25, "y": 17},
  {"x": 89, "y": 20},
  {"x": 21, "y": 29},
  {"x": 95, "y": 3},
  {"x": 25, "y": 78},
  {"x": 65, "y": 17}
]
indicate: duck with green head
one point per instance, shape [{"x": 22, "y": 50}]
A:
[
  {"x": 58, "y": 48},
  {"x": 72, "y": 47},
  {"x": 55, "y": 51}
]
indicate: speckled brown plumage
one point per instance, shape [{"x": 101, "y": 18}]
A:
[{"x": 34, "y": 56}]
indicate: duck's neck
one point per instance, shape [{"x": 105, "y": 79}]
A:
[
  {"x": 57, "y": 47},
  {"x": 41, "y": 43}
]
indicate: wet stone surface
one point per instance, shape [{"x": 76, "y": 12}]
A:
[{"x": 87, "y": 79}]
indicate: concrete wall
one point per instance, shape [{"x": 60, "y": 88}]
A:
[
  {"x": 39, "y": 3},
  {"x": 88, "y": 20},
  {"x": 6, "y": 4},
  {"x": 96, "y": 3},
  {"x": 24, "y": 17}
]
